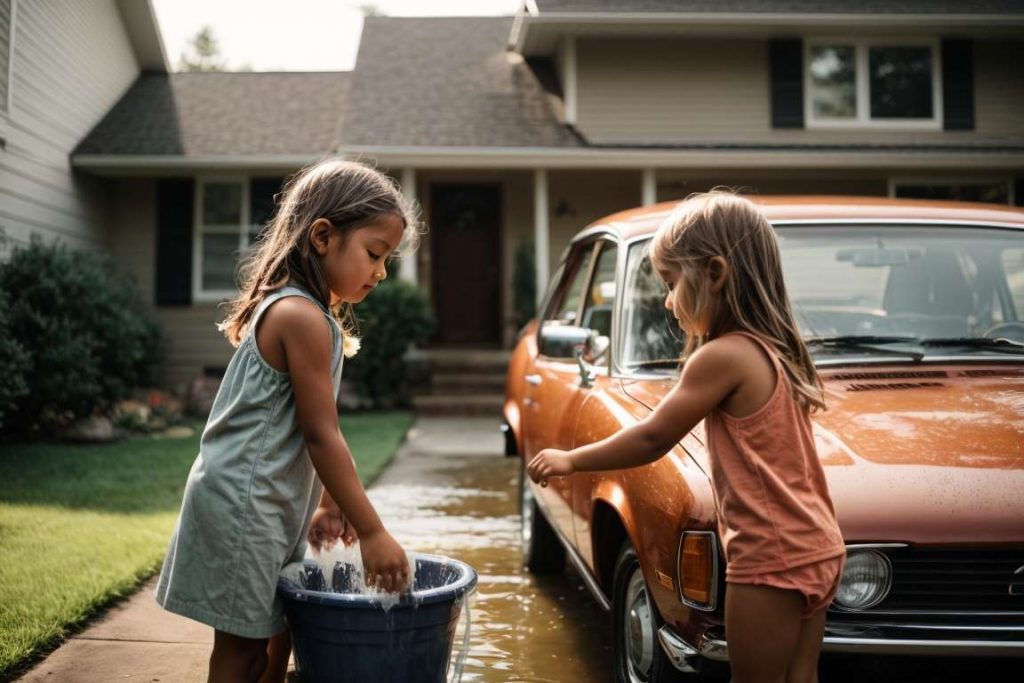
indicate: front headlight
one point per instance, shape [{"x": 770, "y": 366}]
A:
[{"x": 867, "y": 578}]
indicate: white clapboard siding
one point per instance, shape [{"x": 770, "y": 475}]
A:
[
  {"x": 72, "y": 61},
  {"x": 705, "y": 90}
]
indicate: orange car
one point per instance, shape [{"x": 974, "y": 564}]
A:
[{"x": 914, "y": 312}]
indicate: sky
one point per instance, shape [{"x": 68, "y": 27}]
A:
[{"x": 294, "y": 35}]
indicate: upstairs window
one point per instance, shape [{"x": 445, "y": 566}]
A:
[{"x": 854, "y": 84}]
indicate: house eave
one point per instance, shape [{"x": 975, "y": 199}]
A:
[
  {"x": 537, "y": 34},
  {"x": 144, "y": 34},
  {"x": 564, "y": 158},
  {"x": 168, "y": 165}
]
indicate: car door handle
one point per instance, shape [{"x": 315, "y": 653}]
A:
[{"x": 535, "y": 380}]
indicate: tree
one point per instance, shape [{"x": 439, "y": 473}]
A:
[{"x": 203, "y": 53}]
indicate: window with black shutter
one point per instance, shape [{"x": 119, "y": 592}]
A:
[
  {"x": 873, "y": 83},
  {"x": 232, "y": 212}
]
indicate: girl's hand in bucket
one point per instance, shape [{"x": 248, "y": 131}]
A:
[
  {"x": 550, "y": 462},
  {"x": 327, "y": 526},
  {"x": 385, "y": 564}
]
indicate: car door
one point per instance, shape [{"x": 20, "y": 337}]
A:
[
  {"x": 596, "y": 316},
  {"x": 552, "y": 390}
]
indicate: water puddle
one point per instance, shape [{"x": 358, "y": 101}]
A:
[{"x": 525, "y": 627}]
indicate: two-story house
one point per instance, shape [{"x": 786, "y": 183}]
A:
[{"x": 520, "y": 130}]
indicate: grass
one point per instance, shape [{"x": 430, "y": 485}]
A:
[{"x": 81, "y": 526}]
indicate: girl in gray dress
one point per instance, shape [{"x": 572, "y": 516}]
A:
[{"x": 254, "y": 495}]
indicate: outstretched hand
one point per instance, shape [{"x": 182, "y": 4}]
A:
[
  {"x": 550, "y": 462},
  {"x": 327, "y": 527}
]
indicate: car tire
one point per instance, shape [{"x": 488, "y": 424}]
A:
[
  {"x": 637, "y": 651},
  {"x": 542, "y": 551}
]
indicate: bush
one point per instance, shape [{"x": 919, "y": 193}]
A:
[
  {"x": 13, "y": 359},
  {"x": 80, "y": 323},
  {"x": 524, "y": 284},
  {"x": 392, "y": 318}
]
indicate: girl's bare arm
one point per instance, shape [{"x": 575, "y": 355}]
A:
[
  {"x": 708, "y": 377},
  {"x": 305, "y": 340}
]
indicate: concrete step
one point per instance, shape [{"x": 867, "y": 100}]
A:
[
  {"x": 467, "y": 404},
  {"x": 477, "y": 361},
  {"x": 443, "y": 383}
]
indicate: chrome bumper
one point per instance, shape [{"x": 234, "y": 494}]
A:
[{"x": 1007, "y": 641}]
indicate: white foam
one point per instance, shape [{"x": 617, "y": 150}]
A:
[{"x": 329, "y": 558}]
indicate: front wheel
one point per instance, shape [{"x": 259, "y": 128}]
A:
[
  {"x": 542, "y": 551},
  {"x": 638, "y": 654}
]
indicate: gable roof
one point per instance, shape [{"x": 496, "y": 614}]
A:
[
  {"x": 447, "y": 82},
  {"x": 223, "y": 114},
  {"x": 782, "y": 6}
]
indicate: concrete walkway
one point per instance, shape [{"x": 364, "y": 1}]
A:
[{"x": 139, "y": 641}]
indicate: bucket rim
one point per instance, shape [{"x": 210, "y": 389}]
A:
[{"x": 464, "y": 585}]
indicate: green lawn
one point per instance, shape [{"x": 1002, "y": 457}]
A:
[{"x": 83, "y": 525}]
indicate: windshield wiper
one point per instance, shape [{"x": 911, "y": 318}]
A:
[
  {"x": 998, "y": 344},
  {"x": 866, "y": 342}
]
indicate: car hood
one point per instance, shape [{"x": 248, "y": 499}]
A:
[{"x": 925, "y": 456}]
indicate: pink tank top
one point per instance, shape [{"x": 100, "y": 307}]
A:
[{"x": 774, "y": 509}]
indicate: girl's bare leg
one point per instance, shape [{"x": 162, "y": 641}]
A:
[
  {"x": 236, "y": 659},
  {"x": 804, "y": 667},
  {"x": 762, "y": 627},
  {"x": 279, "y": 650}
]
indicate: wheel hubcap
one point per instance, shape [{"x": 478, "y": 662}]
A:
[{"x": 639, "y": 629}]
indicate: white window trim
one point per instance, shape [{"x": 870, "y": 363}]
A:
[
  {"x": 199, "y": 229},
  {"x": 863, "y": 119},
  {"x": 896, "y": 182}
]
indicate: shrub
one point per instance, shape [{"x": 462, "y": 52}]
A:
[
  {"x": 524, "y": 284},
  {"x": 13, "y": 358},
  {"x": 81, "y": 325},
  {"x": 392, "y": 318}
]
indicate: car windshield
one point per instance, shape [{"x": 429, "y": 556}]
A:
[{"x": 865, "y": 290}]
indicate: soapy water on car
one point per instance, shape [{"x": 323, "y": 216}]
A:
[{"x": 328, "y": 558}]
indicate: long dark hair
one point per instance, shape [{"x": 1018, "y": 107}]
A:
[{"x": 346, "y": 193}]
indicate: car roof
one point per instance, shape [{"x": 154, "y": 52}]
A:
[{"x": 782, "y": 208}]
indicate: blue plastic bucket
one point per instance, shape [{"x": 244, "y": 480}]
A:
[{"x": 342, "y": 636}]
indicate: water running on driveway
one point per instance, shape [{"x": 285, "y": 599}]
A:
[{"x": 451, "y": 492}]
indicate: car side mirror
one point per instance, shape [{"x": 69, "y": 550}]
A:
[
  {"x": 595, "y": 348},
  {"x": 561, "y": 341}
]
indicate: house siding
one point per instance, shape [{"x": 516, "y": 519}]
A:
[
  {"x": 72, "y": 61},
  {"x": 191, "y": 339},
  {"x": 648, "y": 91}
]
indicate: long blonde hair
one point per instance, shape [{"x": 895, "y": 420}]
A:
[
  {"x": 346, "y": 193},
  {"x": 720, "y": 223}
]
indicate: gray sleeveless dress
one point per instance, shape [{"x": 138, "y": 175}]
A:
[{"x": 249, "y": 496}]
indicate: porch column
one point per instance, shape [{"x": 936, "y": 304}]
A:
[
  {"x": 541, "y": 234},
  {"x": 649, "y": 187},
  {"x": 407, "y": 266}
]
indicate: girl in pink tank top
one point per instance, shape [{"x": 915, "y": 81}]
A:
[{"x": 748, "y": 374}]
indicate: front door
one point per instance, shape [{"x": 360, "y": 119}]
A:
[{"x": 466, "y": 258}]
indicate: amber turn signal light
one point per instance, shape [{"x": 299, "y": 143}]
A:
[{"x": 697, "y": 560}]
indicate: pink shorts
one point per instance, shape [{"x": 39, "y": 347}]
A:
[{"x": 818, "y": 582}]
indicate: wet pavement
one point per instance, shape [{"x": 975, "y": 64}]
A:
[{"x": 451, "y": 491}]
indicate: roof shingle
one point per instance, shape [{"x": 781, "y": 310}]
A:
[
  {"x": 447, "y": 82},
  {"x": 223, "y": 114}
]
